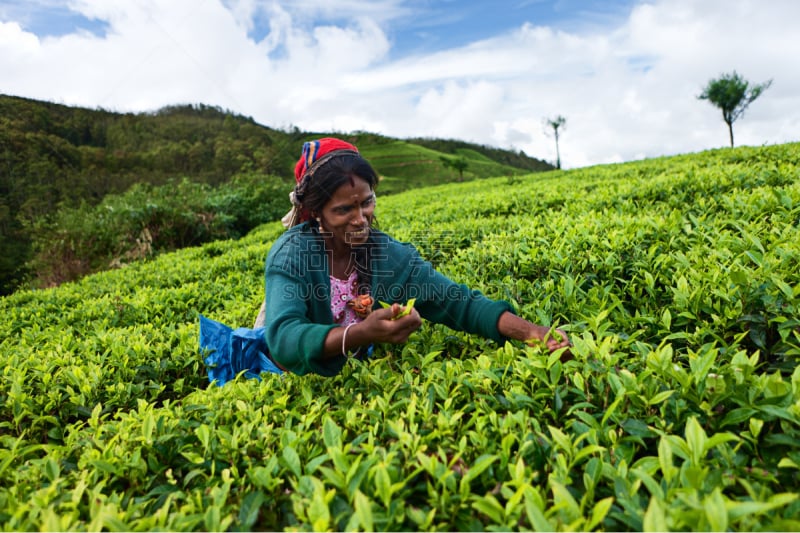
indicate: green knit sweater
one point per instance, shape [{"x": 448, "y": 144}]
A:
[{"x": 298, "y": 292}]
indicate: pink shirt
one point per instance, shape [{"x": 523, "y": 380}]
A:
[{"x": 343, "y": 290}]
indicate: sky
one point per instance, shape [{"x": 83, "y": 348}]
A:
[{"x": 625, "y": 74}]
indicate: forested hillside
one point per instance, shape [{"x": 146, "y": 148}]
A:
[
  {"x": 54, "y": 158},
  {"x": 58, "y": 164}
]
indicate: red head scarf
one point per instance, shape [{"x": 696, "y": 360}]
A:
[{"x": 315, "y": 153}]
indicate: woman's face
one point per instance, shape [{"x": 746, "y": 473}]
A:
[{"x": 348, "y": 214}]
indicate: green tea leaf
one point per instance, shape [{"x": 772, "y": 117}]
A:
[
  {"x": 739, "y": 509},
  {"x": 716, "y": 513},
  {"x": 489, "y": 506},
  {"x": 251, "y": 506},
  {"x": 695, "y": 440},
  {"x": 660, "y": 397},
  {"x": 479, "y": 466},
  {"x": 363, "y": 508},
  {"x": 655, "y": 519},
  {"x": 383, "y": 485},
  {"x": 292, "y": 460},
  {"x": 331, "y": 433},
  {"x": 599, "y": 512},
  {"x": 319, "y": 513},
  {"x": 534, "y": 510},
  {"x": 719, "y": 438},
  {"x": 406, "y": 309},
  {"x": 203, "y": 433},
  {"x": 564, "y": 501},
  {"x": 665, "y": 459},
  {"x": 212, "y": 518}
]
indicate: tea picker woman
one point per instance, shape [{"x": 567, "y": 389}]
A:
[{"x": 326, "y": 275}]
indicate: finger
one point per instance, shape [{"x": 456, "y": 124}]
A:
[
  {"x": 413, "y": 317},
  {"x": 406, "y": 325},
  {"x": 555, "y": 335},
  {"x": 558, "y": 336},
  {"x": 411, "y": 320},
  {"x": 386, "y": 313}
]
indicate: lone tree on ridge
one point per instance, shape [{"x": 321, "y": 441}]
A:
[
  {"x": 555, "y": 123},
  {"x": 459, "y": 164},
  {"x": 732, "y": 94}
]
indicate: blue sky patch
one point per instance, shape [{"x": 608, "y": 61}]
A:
[
  {"x": 440, "y": 24},
  {"x": 50, "y": 19}
]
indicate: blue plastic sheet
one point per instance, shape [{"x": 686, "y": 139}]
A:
[{"x": 227, "y": 352}]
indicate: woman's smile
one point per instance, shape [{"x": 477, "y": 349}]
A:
[{"x": 358, "y": 235}]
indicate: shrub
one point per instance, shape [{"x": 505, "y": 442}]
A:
[{"x": 147, "y": 220}]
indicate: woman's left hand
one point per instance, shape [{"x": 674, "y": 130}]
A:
[
  {"x": 514, "y": 327},
  {"x": 553, "y": 339}
]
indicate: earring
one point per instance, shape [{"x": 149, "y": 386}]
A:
[{"x": 319, "y": 223}]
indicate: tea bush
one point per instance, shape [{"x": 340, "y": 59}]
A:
[{"x": 680, "y": 410}]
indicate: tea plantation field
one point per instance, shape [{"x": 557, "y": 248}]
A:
[{"x": 677, "y": 278}]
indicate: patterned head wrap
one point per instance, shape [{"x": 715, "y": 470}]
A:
[{"x": 315, "y": 154}]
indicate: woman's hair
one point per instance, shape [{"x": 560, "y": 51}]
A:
[{"x": 315, "y": 191}]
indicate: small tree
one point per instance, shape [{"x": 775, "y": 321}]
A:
[
  {"x": 732, "y": 94},
  {"x": 555, "y": 123},
  {"x": 459, "y": 164}
]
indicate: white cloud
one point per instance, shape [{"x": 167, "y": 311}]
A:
[
  {"x": 14, "y": 39},
  {"x": 628, "y": 91}
]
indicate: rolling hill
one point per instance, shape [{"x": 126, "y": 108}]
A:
[{"x": 57, "y": 159}]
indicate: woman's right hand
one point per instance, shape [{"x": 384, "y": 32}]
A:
[{"x": 384, "y": 325}]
